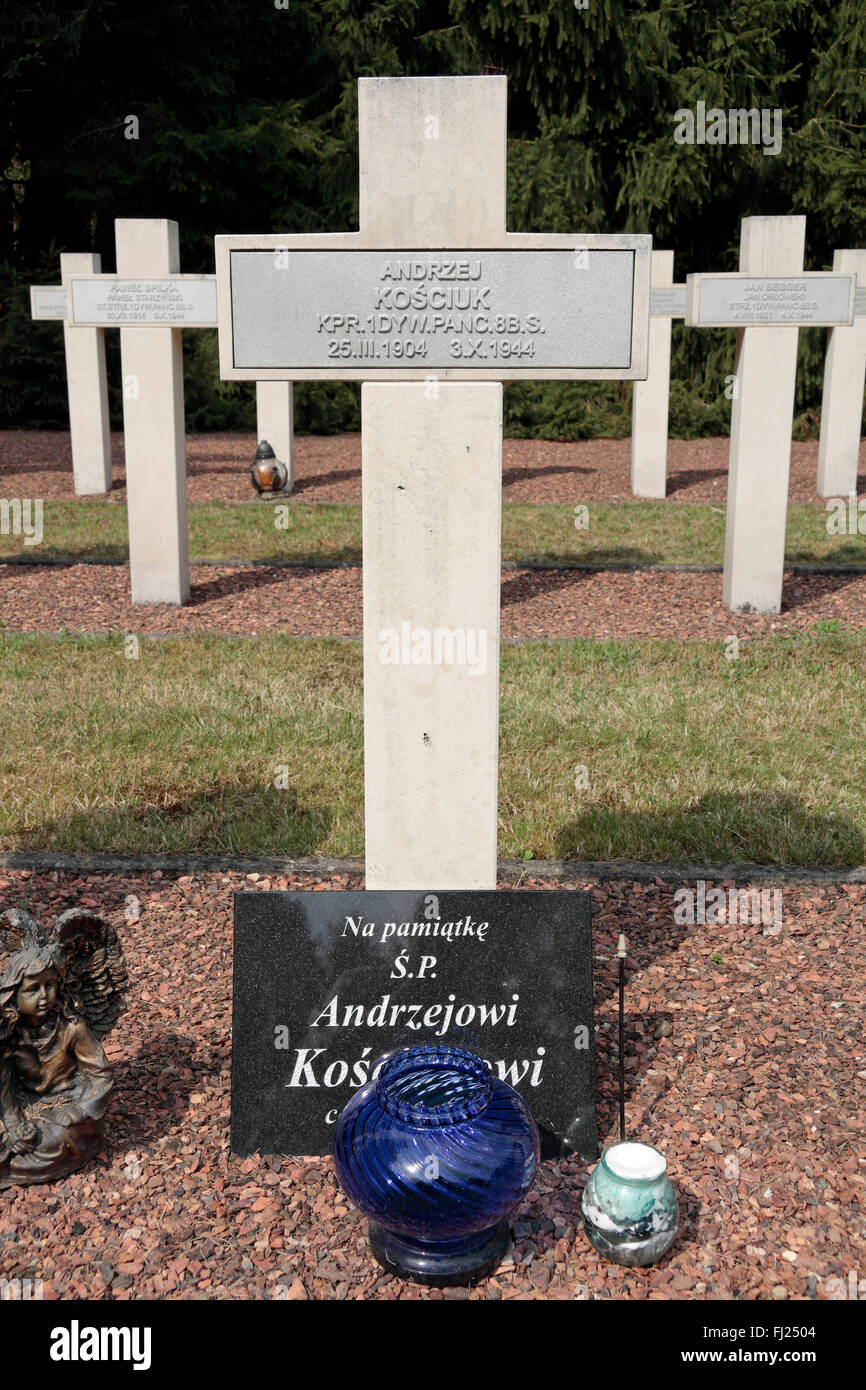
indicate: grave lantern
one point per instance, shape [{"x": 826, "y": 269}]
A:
[{"x": 268, "y": 474}]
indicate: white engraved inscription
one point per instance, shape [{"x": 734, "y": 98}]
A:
[
  {"x": 144, "y": 301},
  {"x": 47, "y": 302},
  {"x": 417, "y": 298},
  {"x": 428, "y": 310},
  {"x": 774, "y": 300}
]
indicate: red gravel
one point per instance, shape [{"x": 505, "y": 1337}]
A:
[
  {"x": 328, "y": 468},
  {"x": 554, "y": 603},
  {"x": 756, "y": 1098},
  {"x": 327, "y": 602}
]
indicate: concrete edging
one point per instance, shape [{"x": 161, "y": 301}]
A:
[
  {"x": 589, "y": 566},
  {"x": 567, "y": 870}
]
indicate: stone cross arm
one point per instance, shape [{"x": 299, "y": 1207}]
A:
[{"x": 342, "y": 307}]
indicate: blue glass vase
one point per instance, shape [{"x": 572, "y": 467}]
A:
[{"x": 436, "y": 1152}]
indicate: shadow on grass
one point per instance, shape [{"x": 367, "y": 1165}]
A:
[
  {"x": 70, "y": 554},
  {"x": 225, "y": 818},
  {"x": 852, "y": 552},
  {"x": 722, "y": 827},
  {"x": 313, "y": 559},
  {"x": 593, "y": 555}
]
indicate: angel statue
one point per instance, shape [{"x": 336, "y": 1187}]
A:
[{"x": 61, "y": 991}]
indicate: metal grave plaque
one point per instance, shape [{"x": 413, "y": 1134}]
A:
[
  {"x": 180, "y": 301},
  {"x": 816, "y": 299},
  {"x": 48, "y": 302},
  {"x": 668, "y": 301},
  {"x": 495, "y": 314}
]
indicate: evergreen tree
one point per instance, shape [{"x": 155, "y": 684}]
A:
[{"x": 247, "y": 121}]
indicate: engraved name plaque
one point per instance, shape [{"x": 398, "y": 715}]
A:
[
  {"x": 816, "y": 299},
  {"x": 668, "y": 302},
  {"x": 186, "y": 301},
  {"x": 498, "y": 314},
  {"x": 47, "y": 302}
]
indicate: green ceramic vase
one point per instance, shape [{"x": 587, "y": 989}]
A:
[{"x": 629, "y": 1205}]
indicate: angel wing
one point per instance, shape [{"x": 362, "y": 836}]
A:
[
  {"x": 18, "y": 930},
  {"x": 94, "y": 966}
]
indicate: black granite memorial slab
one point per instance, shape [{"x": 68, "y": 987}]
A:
[{"x": 326, "y": 983}]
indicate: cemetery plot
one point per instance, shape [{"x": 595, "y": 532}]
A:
[
  {"x": 324, "y": 534},
  {"x": 746, "y": 1066},
  {"x": 609, "y": 749},
  {"x": 151, "y": 296}
]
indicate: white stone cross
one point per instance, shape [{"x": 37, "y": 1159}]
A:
[
  {"x": 767, "y": 300},
  {"x": 87, "y": 386},
  {"x": 432, "y": 304},
  {"x": 86, "y": 382},
  {"x": 150, "y": 319},
  {"x": 844, "y": 380},
  {"x": 649, "y": 424},
  {"x": 150, "y": 302},
  {"x": 845, "y": 371}
]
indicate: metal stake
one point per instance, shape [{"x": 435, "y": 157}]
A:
[{"x": 621, "y": 954}]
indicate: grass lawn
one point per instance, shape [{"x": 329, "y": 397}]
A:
[
  {"x": 643, "y": 532},
  {"x": 688, "y": 756}
]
